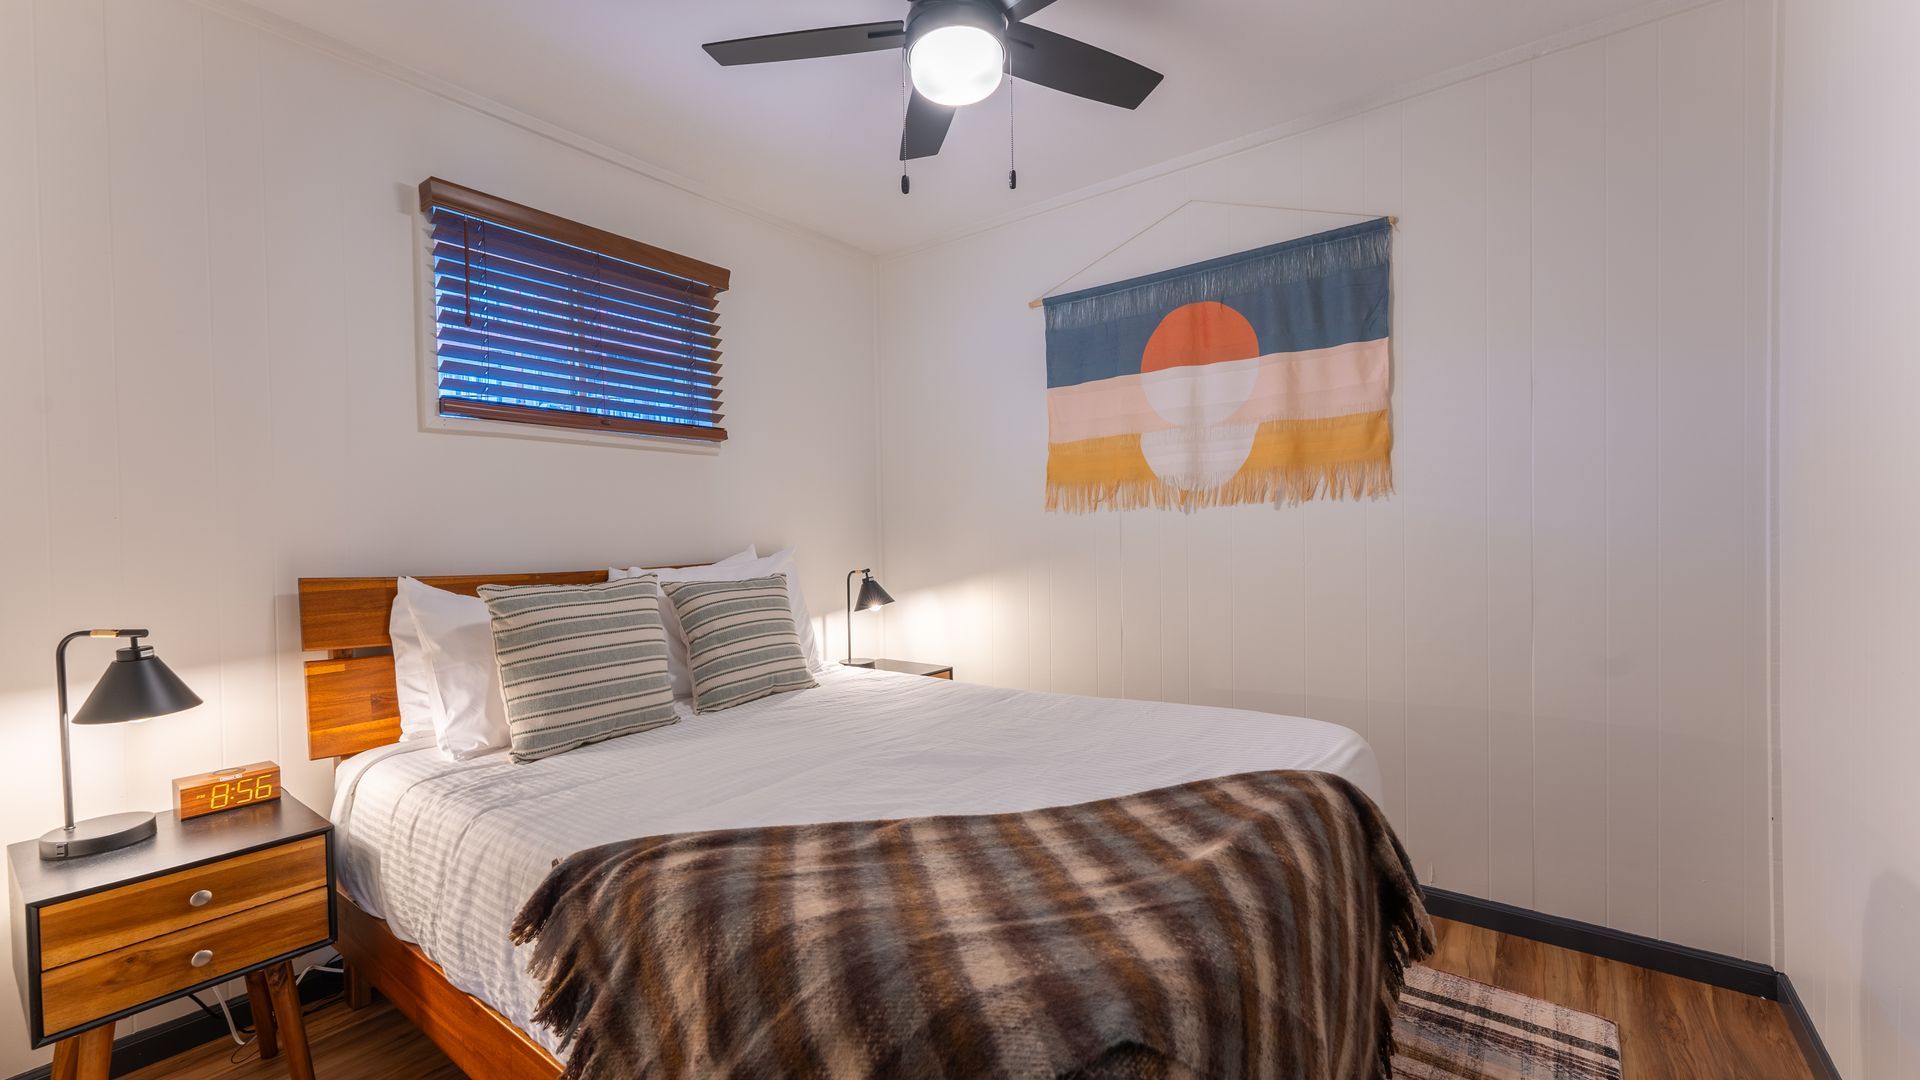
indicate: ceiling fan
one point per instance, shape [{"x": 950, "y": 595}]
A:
[{"x": 957, "y": 51}]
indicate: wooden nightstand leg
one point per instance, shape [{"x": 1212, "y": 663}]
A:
[
  {"x": 287, "y": 1017},
  {"x": 359, "y": 990},
  {"x": 263, "y": 1025},
  {"x": 86, "y": 1056}
]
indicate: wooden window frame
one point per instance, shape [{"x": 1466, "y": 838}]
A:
[{"x": 709, "y": 278}]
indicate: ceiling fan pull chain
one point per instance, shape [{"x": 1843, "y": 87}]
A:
[
  {"x": 1013, "y": 174},
  {"x": 906, "y": 104}
]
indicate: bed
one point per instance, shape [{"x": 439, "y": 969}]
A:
[{"x": 436, "y": 856}]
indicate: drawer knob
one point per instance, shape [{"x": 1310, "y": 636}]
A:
[
  {"x": 200, "y": 898},
  {"x": 202, "y": 958}
]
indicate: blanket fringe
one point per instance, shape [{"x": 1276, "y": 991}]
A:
[
  {"x": 567, "y": 995},
  {"x": 1281, "y": 487},
  {"x": 1404, "y": 923},
  {"x": 1409, "y": 940}
]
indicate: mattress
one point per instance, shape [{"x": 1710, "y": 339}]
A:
[{"x": 447, "y": 851}]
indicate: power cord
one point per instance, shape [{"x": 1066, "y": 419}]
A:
[{"x": 245, "y": 1036}]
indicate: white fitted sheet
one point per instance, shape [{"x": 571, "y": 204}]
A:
[{"x": 446, "y": 851}]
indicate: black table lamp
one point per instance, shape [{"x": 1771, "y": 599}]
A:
[
  {"x": 871, "y": 596},
  {"x": 136, "y": 686}
]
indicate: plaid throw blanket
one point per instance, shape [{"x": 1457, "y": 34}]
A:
[{"x": 1254, "y": 925}]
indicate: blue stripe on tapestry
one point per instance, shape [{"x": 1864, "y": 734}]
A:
[{"x": 1312, "y": 293}]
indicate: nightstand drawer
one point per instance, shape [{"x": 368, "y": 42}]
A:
[
  {"x": 101, "y": 985},
  {"x": 114, "y": 918}
]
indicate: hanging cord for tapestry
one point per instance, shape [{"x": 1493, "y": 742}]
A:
[
  {"x": 1392, "y": 220},
  {"x": 906, "y": 108}
]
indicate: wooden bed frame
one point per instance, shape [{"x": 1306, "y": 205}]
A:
[{"x": 353, "y": 705}]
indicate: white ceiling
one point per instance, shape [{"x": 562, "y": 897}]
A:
[{"x": 815, "y": 142}]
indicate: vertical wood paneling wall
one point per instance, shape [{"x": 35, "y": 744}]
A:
[
  {"x": 208, "y": 332},
  {"x": 1555, "y": 634},
  {"x": 1849, "y": 527}
]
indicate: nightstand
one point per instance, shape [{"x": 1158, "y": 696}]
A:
[
  {"x": 908, "y": 667},
  {"x": 241, "y": 892}
]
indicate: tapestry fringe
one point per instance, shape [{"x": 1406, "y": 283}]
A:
[
  {"x": 1354, "y": 248},
  {"x": 1281, "y": 487}
]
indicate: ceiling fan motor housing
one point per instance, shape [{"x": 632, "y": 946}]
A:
[
  {"x": 928, "y": 15},
  {"x": 958, "y": 54}
]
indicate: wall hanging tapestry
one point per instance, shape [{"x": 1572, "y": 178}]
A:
[{"x": 1257, "y": 377}]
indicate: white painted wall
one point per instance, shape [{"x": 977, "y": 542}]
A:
[
  {"x": 207, "y": 237},
  {"x": 1555, "y": 634},
  {"x": 1849, "y": 527}
]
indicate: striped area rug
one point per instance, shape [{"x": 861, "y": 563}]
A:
[{"x": 1451, "y": 1028}]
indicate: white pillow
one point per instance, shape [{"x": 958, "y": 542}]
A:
[
  {"x": 786, "y": 562},
  {"x": 616, "y": 573},
  {"x": 412, "y": 678},
  {"x": 456, "y": 638},
  {"x": 678, "y": 666},
  {"x": 780, "y": 562}
]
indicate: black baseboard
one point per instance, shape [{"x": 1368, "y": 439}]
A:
[
  {"x": 164, "y": 1040},
  {"x": 1714, "y": 969},
  {"x": 1805, "y": 1033}
]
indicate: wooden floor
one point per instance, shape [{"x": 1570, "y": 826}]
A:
[
  {"x": 1669, "y": 1027},
  {"x": 373, "y": 1044}
]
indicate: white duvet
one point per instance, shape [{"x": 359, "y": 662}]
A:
[{"x": 446, "y": 851}]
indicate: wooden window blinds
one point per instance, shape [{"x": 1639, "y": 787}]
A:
[{"x": 542, "y": 320}]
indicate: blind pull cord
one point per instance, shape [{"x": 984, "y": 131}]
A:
[{"x": 466, "y": 262}]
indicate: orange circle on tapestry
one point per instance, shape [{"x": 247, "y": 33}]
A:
[{"x": 1208, "y": 332}]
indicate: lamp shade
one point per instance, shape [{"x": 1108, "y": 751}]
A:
[
  {"x": 136, "y": 686},
  {"x": 871, "y": 595}
]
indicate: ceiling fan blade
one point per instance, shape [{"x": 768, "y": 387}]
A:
[
  {"x": 1021, "y": 9},
  {"x": 1077, "y": 68},
  {"x": 807, "y": 44},
  {"x": 926, "y": 128}
]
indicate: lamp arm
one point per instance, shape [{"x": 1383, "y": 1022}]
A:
[{"x": 60, "y": 693}]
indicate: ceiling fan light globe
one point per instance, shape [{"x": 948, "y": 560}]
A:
[{"x": 956, "y": 65}]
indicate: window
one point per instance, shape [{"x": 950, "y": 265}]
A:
[{"x": 541, "y": 320}]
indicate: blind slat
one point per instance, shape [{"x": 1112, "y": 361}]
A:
[
  {"x": 450, "y": 270},
  {"x": 546, "y": 321},
  {"x": 521, "y": 247},
  {"x": 564, "y": 347},
  {"x": 586, "y": 382},
  {"x": 482, "y": 391},
  {"x": 505, "y": 246},
  {"x": 453, "y": 287},
  {"x": 605, "y": 372},
  {"x": 454, "y": 312},
  {"x": 482, "y": 267},
  {"x": 507, "y": 352}
]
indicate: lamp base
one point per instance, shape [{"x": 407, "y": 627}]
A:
[
  {"x": 859, "y": 661},
  {"x": 95, "y": 835}
]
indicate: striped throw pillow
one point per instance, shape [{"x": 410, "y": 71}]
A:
[
  {"x": 579, "y": 663},
  {"x": 741, "y": 640}
]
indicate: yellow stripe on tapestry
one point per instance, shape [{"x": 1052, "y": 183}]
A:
[
  {"x": 1282, "y": 461},
  {"x": 1259, "y": 377}
]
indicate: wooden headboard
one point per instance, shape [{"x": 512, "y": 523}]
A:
[{"x": 352, "y": 703}]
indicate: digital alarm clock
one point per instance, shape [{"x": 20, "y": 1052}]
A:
[{"x": 225, "y": 789}]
